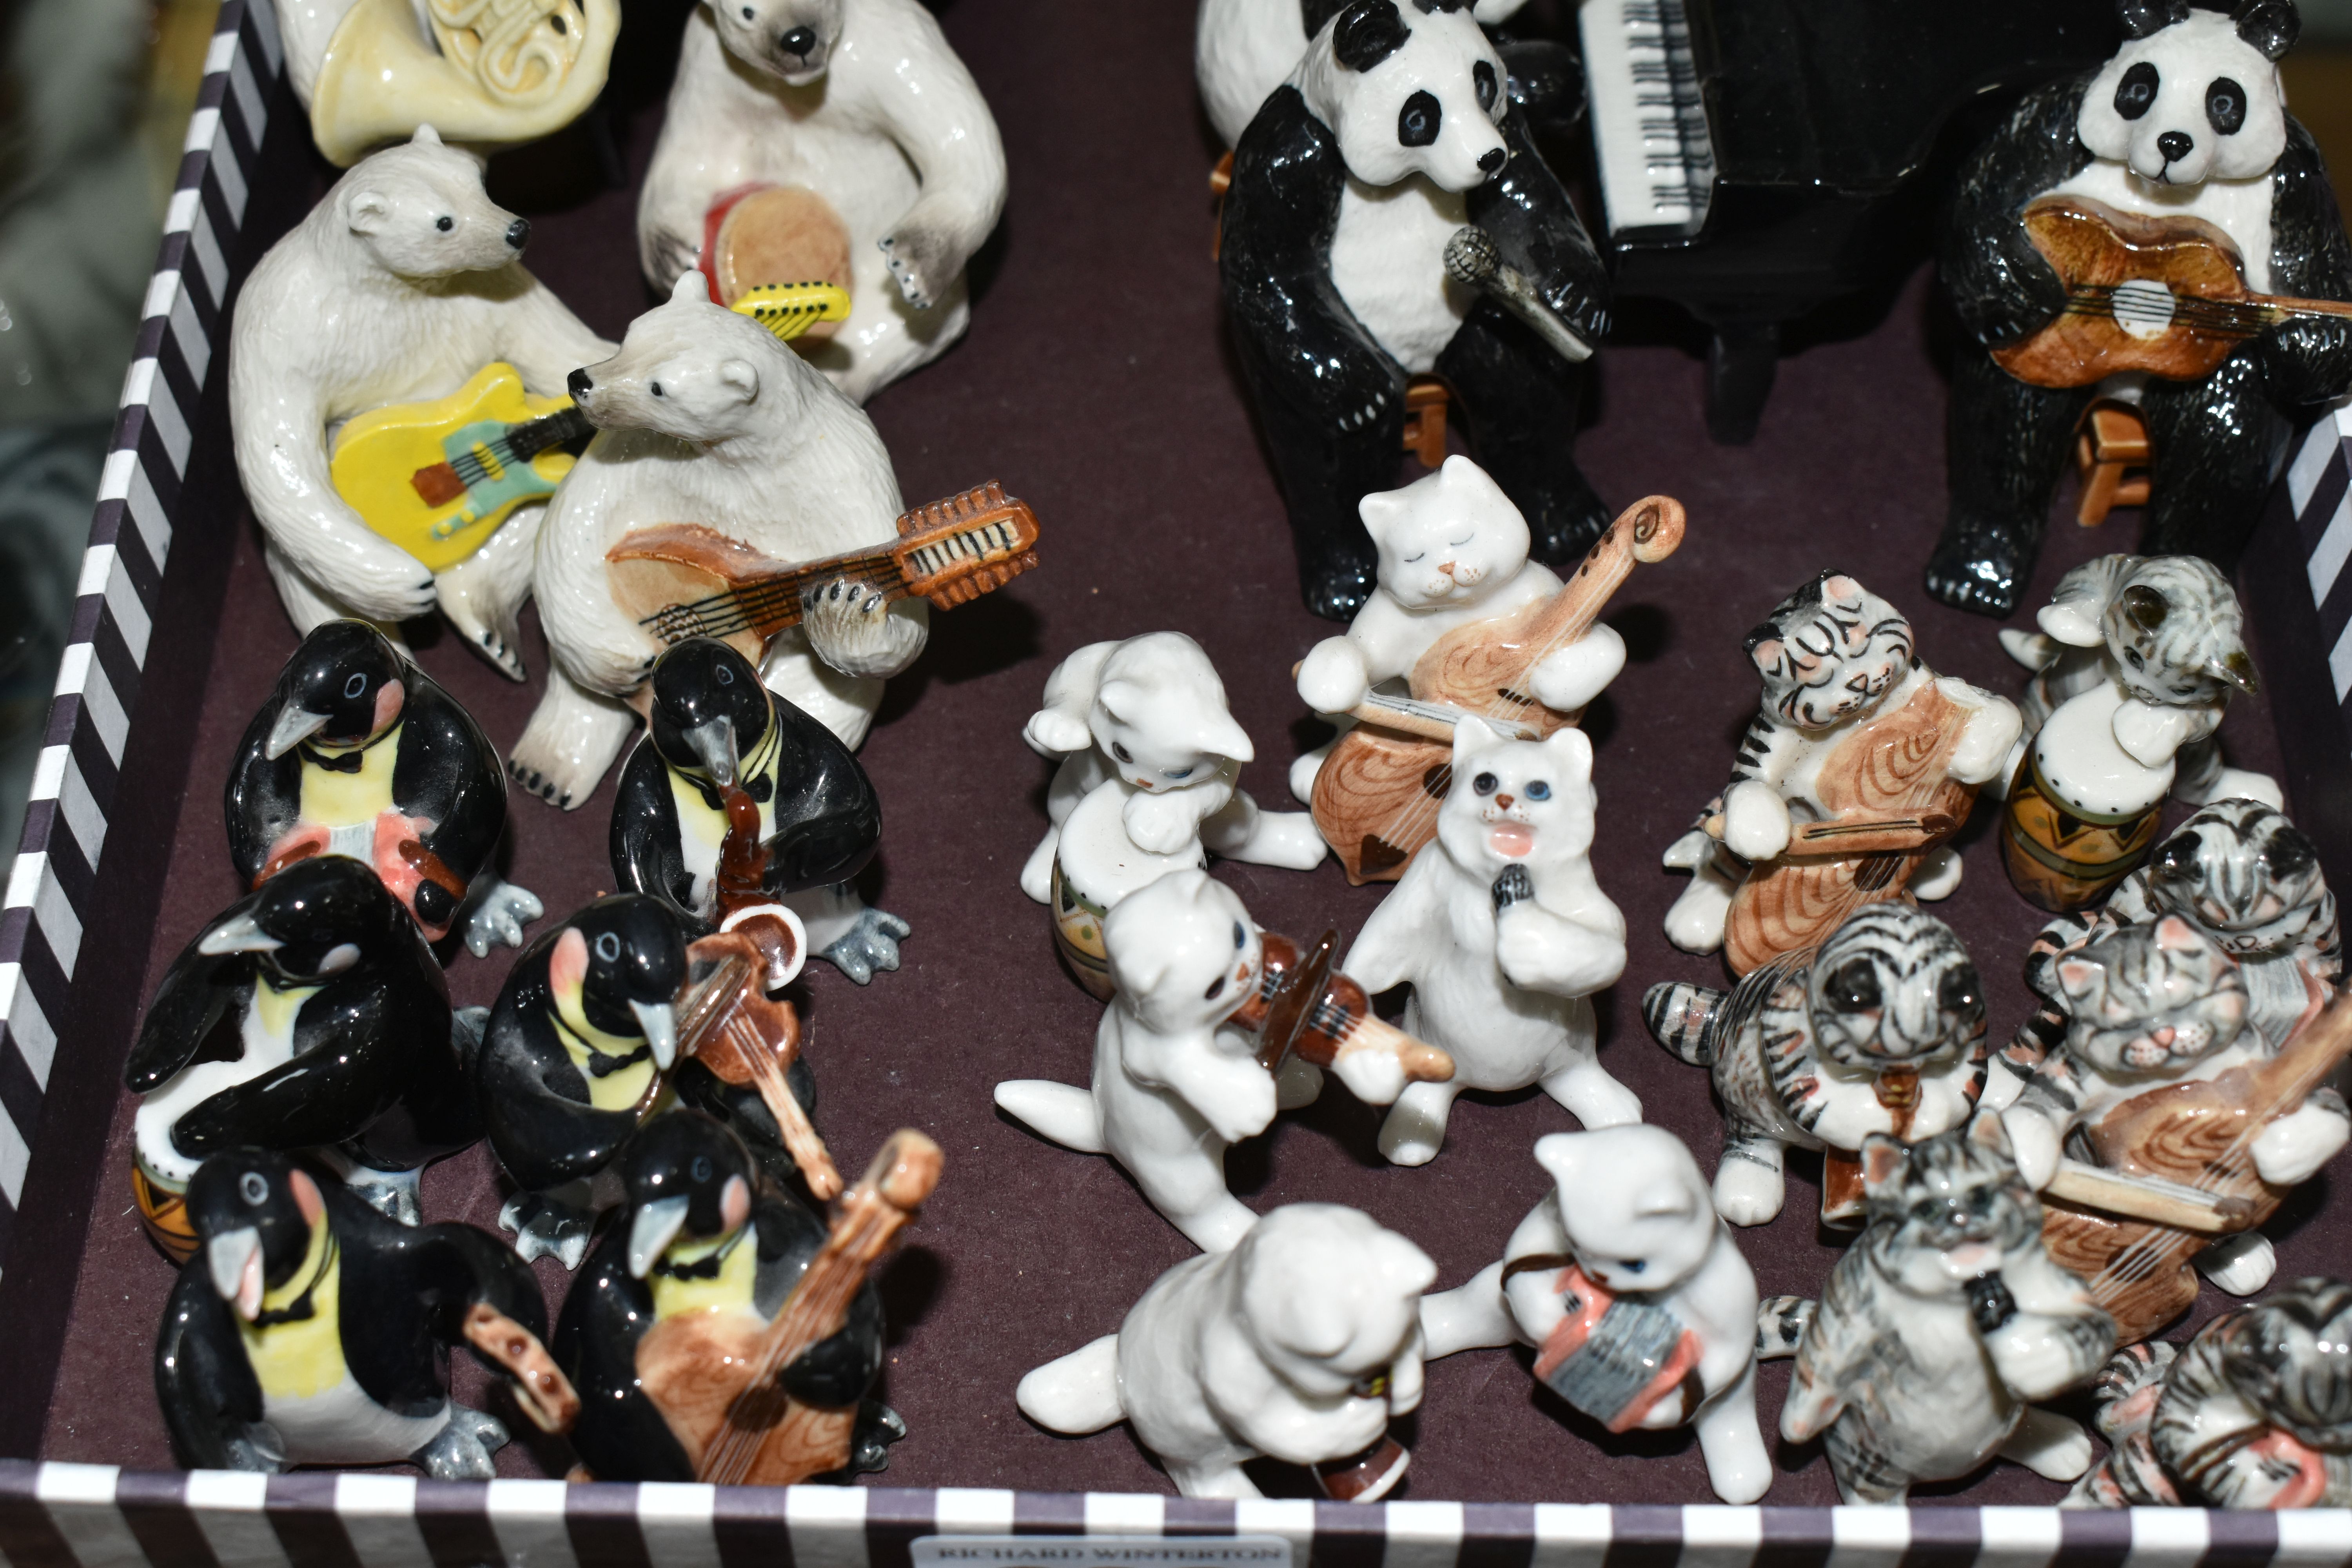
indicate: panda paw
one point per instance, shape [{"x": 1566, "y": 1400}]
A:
[
  {"x": 878, "y": 1427},
  {"x": 498, "y": 917},
  {"x": 870, "y": 944}
]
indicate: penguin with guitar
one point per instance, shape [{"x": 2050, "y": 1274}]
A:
[{"x": 2161, "y": 231}]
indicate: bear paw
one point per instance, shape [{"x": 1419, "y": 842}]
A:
[
  {"x": 850, "y": 627},
  {"x": 922, "y": 261},
  {"x": 871, "y": 944}
]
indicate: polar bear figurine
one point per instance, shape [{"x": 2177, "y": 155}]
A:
[
  {"x": 1452, "y": 552},
  {"x": 1172, "y": 1091},
  {"x": 1640, "y": 1245},
  {"x": 703, "y": 417},
  {"x": 397, "y": 289},
  {"x": 1301, "y": 1343},
  {"x": 1503, "y": 933},
  {"x": 862, "y": 104}
]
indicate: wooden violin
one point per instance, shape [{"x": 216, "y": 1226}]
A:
[
  {"x": 1303, "y": 1008},
  {"x": 720, "y": 1396},
  {"x": 2162, "y": 295},
  {"x": 2196, "y": 1136},
  {"x": 1377, "y": 794}
]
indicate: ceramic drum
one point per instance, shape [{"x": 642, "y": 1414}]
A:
[
  {"x": 2082, "y": 814},
  {"x": 774, "y": 234}
]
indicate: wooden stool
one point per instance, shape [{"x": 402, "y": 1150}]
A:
[
  {"x": 2110, "y": 448},
  {"x": 1424, "y": 420},
  {"x": 1220, "y": 180}
]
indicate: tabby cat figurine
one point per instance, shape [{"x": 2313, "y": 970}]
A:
[
  {"x": 1879, "y": 1030},
  {"x": 1939, "y": 1327},
  {"x": 2135, "y": 663},
  {"x": 2256, "y": 1412},
  {"x": 1860, "y": 763}
]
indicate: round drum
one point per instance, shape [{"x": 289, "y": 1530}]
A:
[
  {"x": 165, "y": 1215},
  {"x": 1079, "y": 936},
  {"x": 774, "y": 234},
  {"x": 2062, "y": 857}
]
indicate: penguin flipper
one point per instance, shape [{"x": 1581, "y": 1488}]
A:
[
  {"x": 449, "y": 774},
  {"x": 837, "y": 1370},
  {"x": 263, "y": 797},
  {"x": 204, "y": 1385},
  {"x": 621, "y": 1434},
  {"x": 828, "y": 827},
  {"x": 321, "y": 1097},
  {"x": 647, "y": 854},
  {"x": 196, "y": 991},
  {"x": 543, "y": 1138}
]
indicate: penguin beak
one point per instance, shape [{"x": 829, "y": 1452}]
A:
[
  {"x": 715, "y": 743},
  {"x": 234, "y": 1260},
  {"x": 656, "y": 1226},
  {"x": 294, "y": 726},
  {"x": 658, "y": 1020},
  {"x": 240, "y": 935}
]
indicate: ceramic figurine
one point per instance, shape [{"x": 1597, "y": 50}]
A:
[
  {"x": 1879, "y": 1029},
  {"x": 713, "y": 731},
  {"x": 1503, "y": 933},
  {"x": 720, "y": 1332},
  {"x": 1941, "y": 1325},
  {"x": 2129, "y": 233},
  {"x": 1859, "y": 766},
  {"x": 1175, "y": 1086},
  {"x": 360, "y": 752},
  {"x": 1149, "y": 760},
  {"x": 839, "y": 140},
  {"x": 259, "y": 1367},
  {"x": 486, "y": 73},
  {"x": 745, "y": 440},
  {"x": 402, "y": 284},
  {"x": 2161, "y": 1077},
  {"x": 344, "y": 1046},
  {"x": 1300, "y": 1344},
  {"x": 2251, "y": 1414},
  {"x": 1641, "y": 1310},
  {"x": 1461, "y": 621},
  {"x": 2135, "y": 663},
  {"x": 1347, "y": 268},
  {"x": 1241, "y": 50}
]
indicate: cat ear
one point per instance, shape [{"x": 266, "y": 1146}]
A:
[
  {"x": 1379, "y": 509},
  {"x": 1472, "y": 736},
  {"x": 1573, "y": 748},
  {"x": 1838, "y": 585},
  {"x": 2078, "y": 976},
  {"x": 1883, "y": 1160},
  {"x": 1220, "y": 735},
  {"x": 1987, "y": 1131},
  {"x": 1766, "y": 654},
  {"x": 1123, "y": 700},
  {"x": 1562, "y": 1155},
  {"x": 2174, "y": 934},
  {"x": 1664, "y": 1200}
]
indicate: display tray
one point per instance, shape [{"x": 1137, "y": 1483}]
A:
[{"x": 1097, "y": 384}]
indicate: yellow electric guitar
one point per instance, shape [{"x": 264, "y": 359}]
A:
[{"x": 437, "y": 478}]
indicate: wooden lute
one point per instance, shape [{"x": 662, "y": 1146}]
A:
[
  {"x": 2199, "y": 1135},
  {"x": 683, "y": 579},
  {"x": 1377, "y": 794},
  {"x": 716, "y": 1385},
  {"x": 2167, "y": 296}
]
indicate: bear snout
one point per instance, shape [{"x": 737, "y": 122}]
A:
[
  {"x": 799, "y": 41},
  {"x": 578, "y": 385},
  {"x": 1492, "y": 161},
  {"x": 2176, "y": 145},
  {"x": 519, "y": 233}
]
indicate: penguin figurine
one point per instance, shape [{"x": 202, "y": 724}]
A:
[
  {"x": 710, "y": 724},
  {"x": 579, "y": 1050},
  {"x": 359, "y": 752},
  {"x": 309, "y": 1014},
  {"x": 259, "y": 1367},
  {"x": 702, "y": 1246}
]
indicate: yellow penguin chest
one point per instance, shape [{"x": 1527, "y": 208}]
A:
[
  {"x": 302, "y": 1359},
  {"x": 275, "y": 1010},
  {"x": 729, "y": 1290},
  {"x": 702, "y": 828},
  {"x": 333, "y": 799},
  {"x": 622, "y": 1088}
]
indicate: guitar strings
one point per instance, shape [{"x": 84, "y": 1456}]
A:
[
  {"x": 733, "y": 610},
  {"x": 2221, "y": 317},
  {"x": 468, "y": 463}
]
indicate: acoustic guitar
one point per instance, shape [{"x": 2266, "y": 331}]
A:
[
  {"x": 437, "y": 478},
  {"x": 2167, "y": 296},
  {"x": 683, "y": 579},
  {"x": 1377, "y": 794},
  {"x": 713, "y": 1374}
]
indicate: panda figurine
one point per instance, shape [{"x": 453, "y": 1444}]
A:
[
  {"x": 1400, "y": 128},
  {"x": 2187, "y": 121}
]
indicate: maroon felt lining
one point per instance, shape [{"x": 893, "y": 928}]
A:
[{"x": 1095, "y": 383}]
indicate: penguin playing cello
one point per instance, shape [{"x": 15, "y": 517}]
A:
[
  {"x": 713, "y": 731},
  {"x": 309, "y": 1330},
  {"x": 359, "y": 752},
  {"x": 722, "y": 1332}
]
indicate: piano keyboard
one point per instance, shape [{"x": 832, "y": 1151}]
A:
[{"x": 1648, "y": 123}]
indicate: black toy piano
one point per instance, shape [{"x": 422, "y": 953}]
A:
[{"x": 1757, "y": 158}]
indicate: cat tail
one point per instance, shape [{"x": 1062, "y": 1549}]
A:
[
  {"x": 1061, "y": 1112},
  {"x": 1780, "y": 1323},
  {"x": 1680, "y": 1016},
  {"x": 1077, "y": 1394}
]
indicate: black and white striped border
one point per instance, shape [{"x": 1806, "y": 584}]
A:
[
  {"x": 51, "y": 886},
  {"x": 95, "y": 1516},
  {"x": 2319, "y": 496}
]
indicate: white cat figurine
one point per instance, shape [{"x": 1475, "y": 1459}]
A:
[
  {"x": 1640, "y": 1309},
  {"x": 1172, "y": 1089},
  {"x": 1300, "y": 1343},
  {"x": 1149, "y": 756},
  {"x": 1502, "y": 933},
  {"x": 1452, "y": 552}
]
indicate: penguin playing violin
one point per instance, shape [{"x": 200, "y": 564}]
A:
[
  {"x": 359, "y": 752},
  {"x": 698, "y": 1261},
  {"x": 309, "y": 1330},
  {"x": 711, "y": 727},
  {"x": 308, "y": 1015}
]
